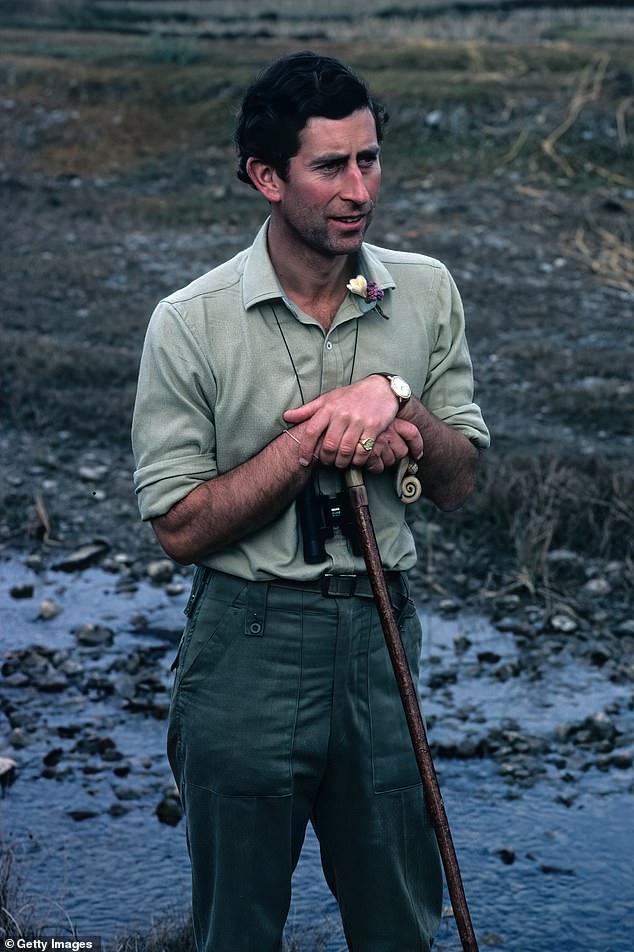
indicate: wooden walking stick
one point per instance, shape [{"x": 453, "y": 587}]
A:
[{"x": 409, "y": 697}]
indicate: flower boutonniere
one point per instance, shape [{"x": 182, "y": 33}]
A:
[{"x": 369, "y": 291}]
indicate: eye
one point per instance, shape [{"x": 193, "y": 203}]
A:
[{"x": 332, "y": 166}]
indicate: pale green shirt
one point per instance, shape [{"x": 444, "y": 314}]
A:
[{"x": 217, "y": 374}]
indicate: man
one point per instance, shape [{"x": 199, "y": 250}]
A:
[{"x": 260, "y": 383}]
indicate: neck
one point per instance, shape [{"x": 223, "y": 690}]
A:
[{"x": 314, "y": 281}]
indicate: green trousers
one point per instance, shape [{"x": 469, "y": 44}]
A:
[{"x": 285, "y": 710}]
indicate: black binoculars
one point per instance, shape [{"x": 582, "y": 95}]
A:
[{"x": 319, "y": 516}]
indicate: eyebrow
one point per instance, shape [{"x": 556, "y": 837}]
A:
[{"x": 371, "y": 152}]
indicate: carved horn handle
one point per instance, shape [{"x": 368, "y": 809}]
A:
[{"x": 408, "y": 486}]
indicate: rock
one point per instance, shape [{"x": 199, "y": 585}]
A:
[
  {"x": 565, "y": 565},
  {"x": 169, "y": 810},
  {"x": 556, "y": 870},
  {"x": 506, "y": 671},
  {"x": 68, "y": 730},
  {"x": 506, "y": 854},
  {"x": 21, "y": 591},
  {"x": 118, "y": 809},
  {"x": 83, "y": 557},
  {"x": 93, "y": 473},
  {"x": 489, "y": 657},
  {"x": 19, "y": 679},
  {"x": 71, "y": 668},
  {"x": 94, "y": 636},
  {"x": 80, "y": 815},
  {"x": 52, "y": 682},
  {"x": 49, "y": 609},
  {"x": 492, "y": 939},
  {"x": 94, "y": 744},
  {"x": 98, "y": 683},
  {"x": 516, "y": 626},
  {"x": 160, "y": 571},
  {"x": 597, "y": 586},
  {"x": 53, "y": 756},
  {"x": 174, "y": 588},
  {"x": 127, "y": 793},
  {"x": 563, "y": 622},
  {"x": 625, "y": 628},
  {"x": 18, "y": 738},
  {"x": 600, "y": 727},
  {"x": 461, "y": 644},
  {"x": 7, "y": 773}
]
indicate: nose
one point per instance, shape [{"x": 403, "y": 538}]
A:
[{"x": 354, "y": 187}]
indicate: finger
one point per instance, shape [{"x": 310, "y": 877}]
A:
[
  {"x": 305, "y": 412},
  {"x": 374, "y": 465},
  {"x": 335, "y": 446},
  {"x": 350, "y": 448},
  {"x": 411, "y": 436}
]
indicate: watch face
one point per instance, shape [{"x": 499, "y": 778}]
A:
[{"x": 401, "y": 388}]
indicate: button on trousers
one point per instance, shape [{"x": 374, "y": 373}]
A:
[{"x": 285, "y": 710}]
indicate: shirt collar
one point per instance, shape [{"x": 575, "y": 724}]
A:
[
  {"x": 373, "y": 270},
  {"x": 260, "y": 282}
]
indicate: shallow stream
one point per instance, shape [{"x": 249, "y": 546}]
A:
[{"x": 543, "y": 827}]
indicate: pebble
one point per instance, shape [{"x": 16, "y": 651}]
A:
[
  {"x": 118, "y": 809},
  {"x": 174, "y": 588},
  {"x": 21, "y": 591},
  {"x": 160, "y": 571},
  {"x": 597, "y": 587},
  {"x": 49, "y": 609},
  {"x": 563, "y": 623},
  {"x": 127, "y": 793},
  {"x": 7, "y": 772},
  {"x": 94, "y": 636},
  {"x": 169, "y": 810},
  {"x": 93, "y": 473},
  {"x": 52, "y": 682},
  {"x": 83, "y": 557},
  {"x": 625, "y": 628},
  {"x": 79, "y": 815}
]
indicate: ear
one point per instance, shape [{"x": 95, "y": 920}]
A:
[{"x": 265, "y": 179}]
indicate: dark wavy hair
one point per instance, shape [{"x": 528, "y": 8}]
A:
[{"x": 285, "y": 95}]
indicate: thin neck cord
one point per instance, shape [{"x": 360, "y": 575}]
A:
[{"x": 288, "y": 351}]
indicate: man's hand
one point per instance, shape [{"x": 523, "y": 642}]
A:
[
  {"x": 399, "y": 440},
  {"x": 337, "y": 420}
]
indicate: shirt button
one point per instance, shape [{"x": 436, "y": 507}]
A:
[
  {"x": 328, "y": 345},
  {"x": 255, "y": 628}
]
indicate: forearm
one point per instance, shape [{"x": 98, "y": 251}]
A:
[
  {"x": 231, "y": 506},
  {"x": 448, "y": 466}
]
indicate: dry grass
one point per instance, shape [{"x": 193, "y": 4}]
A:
[{"x": 526, "y": 508}]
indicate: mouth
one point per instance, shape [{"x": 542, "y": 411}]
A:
[{"x": 351, "y": 220}]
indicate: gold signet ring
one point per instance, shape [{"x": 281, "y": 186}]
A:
[{"x": 367, "y": 443}]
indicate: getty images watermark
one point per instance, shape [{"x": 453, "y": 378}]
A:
[{"x": 52, "y": 943}]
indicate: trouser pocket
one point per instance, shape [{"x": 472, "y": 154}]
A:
[{"x": 235, "y": 700}]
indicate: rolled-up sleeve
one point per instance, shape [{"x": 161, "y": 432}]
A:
[
  {"x": 173, "y": 433},
  {"x": 448, "y": 391}
]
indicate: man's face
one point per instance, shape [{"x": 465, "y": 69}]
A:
[{"x": 332, "y": 186}]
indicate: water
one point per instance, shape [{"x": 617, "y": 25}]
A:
[{"x": 569, "y": 887}]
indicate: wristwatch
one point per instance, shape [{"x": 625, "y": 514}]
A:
[{"x": 400, "y": 388}]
